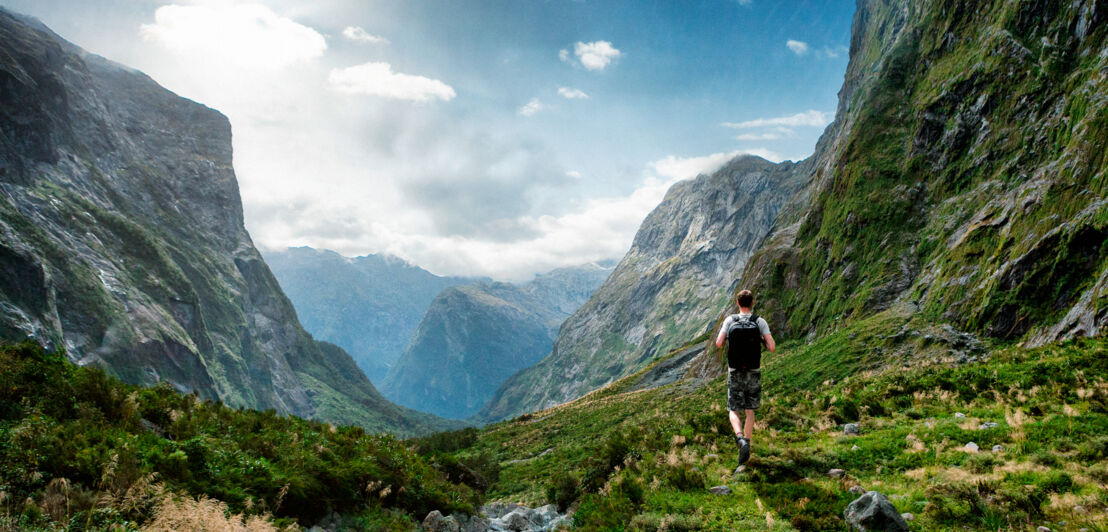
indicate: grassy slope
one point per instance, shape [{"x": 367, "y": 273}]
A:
[
  {"x": 79, "y": 447},
  {"x": 671, "y": 443}
]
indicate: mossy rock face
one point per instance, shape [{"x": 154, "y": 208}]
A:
[
  {"x": 124, "y": 245},
  {"x": 964, "y": 175}
]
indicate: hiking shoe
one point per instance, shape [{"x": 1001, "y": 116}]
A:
[
  {"x": 739, "y": 470},
  {"x": 744, "y": 450}
]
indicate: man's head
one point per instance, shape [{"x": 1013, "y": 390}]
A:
[{"x": 745, "y": 299}]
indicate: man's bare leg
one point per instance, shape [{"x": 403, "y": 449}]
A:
[
  {"x": 736, "y": 425},
  {"x": 749, "y": 423}
]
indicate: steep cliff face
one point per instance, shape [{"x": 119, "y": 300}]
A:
[
  {"x": 474, "y": 337},
  {"x": 964, "y": 178},
  {"x": 370, "y": 306},
  {"x": 670, "y": 286},
  {"x": 123, "y": 241}
]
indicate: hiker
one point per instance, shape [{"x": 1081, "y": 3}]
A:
[{"x": 745, "y": 334}]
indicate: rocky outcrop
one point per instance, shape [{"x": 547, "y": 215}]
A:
[
  {"x": 370, "y": 306},
  {"x": 123, "y": 242},
  {"x": 474, "y": 337},
  {"x": 671, "y": 285},
  {"x": 500, "y": 517}
]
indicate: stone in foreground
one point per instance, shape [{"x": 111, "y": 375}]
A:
[
  {"x": 874, "y": 512},
  {"x": 720, "y": 490}
]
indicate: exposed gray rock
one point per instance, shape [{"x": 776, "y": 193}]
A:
[
  {"x": 907, "y": 516},
  {"x": 997, "y": 448},
  {"x": 836, "y": 473},
  {"x": 857, "y": 490},
  {"x": 517, "y": 520},
  {"x": 959, "y": 415},
  {"x": 988, "y": 425},
  {"x": 515, "y": 517},
  {"x": 971, "y": 447},
  {"x": 873, "y": 512},
  {"x": 850, "y": 429},
  {"x": 435, "y": 522},
  {"x": 720, "y": 490},
  {"x": 122, "y": 241},
  {"x": 673, "y": 283}
]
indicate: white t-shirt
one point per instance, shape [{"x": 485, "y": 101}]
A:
[{"x": 763, "y": 327}]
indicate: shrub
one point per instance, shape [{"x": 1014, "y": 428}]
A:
[{"x": 562, "y": 490}]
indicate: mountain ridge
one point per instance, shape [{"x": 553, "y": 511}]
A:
[
  {"x": 475, "y": 336},
  {"x": 124, "y": 242}
]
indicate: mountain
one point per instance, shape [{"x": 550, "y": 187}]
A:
[
  {"x": 123, "y": 242},
  {"x": 963, "y": 181},
  {"x": 370, "y": 306},
  {"x": 474, "y": 337},
  {"x": 671, "y": 285}
]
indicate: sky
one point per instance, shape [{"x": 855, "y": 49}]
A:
[{"x": 494, "y": 138}]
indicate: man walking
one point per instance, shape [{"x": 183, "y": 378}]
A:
[{"x": 745, "y": 334}]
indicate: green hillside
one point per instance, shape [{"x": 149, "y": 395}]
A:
[
  {"x": 643, "y": 460},
  {"x": 81, "y": 450}
]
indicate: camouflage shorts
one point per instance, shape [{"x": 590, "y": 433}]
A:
[{"x": 744, "y": 390}]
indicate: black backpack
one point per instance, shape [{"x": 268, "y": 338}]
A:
[{"x": 744, "y": 343}]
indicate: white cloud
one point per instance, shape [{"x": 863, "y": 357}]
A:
[
  {"x": 571, "y": 93},
  {"x": 810, "y": 118},
  {"x": 798, "y": 47},
  {"x": 357, "y": 34},
  {"x": 247, "y": 35},
  {"x": 574, "y": 174},
  {"x": 758, "y": 136},
  {"x": 595, "y": 55},
  {"x": 677, "y": 168},
  {"x": 531, "y": 107},
  {"x": 563, "y": 54},
  {"x": 378, "y": 79},
  {"x": 832, "y": 53}
]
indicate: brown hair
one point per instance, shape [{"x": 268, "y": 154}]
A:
[{"x": 745, "y": 299}]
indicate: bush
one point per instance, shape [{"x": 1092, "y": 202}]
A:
[{"x": 562, "y": 490}]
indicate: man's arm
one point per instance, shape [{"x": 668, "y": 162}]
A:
[
  {"x": 723, "y": 332},
  {"x": 770, "y": 344}
]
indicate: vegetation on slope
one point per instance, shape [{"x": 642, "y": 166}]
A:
[
  {"x": 80, "y": 449},
  {"x": 643, "y": 460}
]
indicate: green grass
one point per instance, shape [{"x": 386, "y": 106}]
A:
[
  {"x": 110, "y": 444},
  {"x": 1051, "y": 406}
]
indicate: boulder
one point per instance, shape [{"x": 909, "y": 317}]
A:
[
  {"x": 435, "y": 522},
  {"x": 872, "y": 511},
  {"x": 836, "y": 473},
  {"x": 971, "y": 447},
  {"x": 907, "y": 516},
  {"x": 517, "y": 519},
  {"x": 857, "y": 490},
  {"x": 988, "y": 425},
  {"x": 720, "y": 490},
  {"x": 997, "y": 448},
  {"x": 959, "y": 415},
  {"x": 851, "y": 429}
]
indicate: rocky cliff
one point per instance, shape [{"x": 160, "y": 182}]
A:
[
  {"x": 370, "y": 306},
  {"x": 474, "y": 337},
  {"x": 963, "y": 180},
  {"x": 123, "y": 242},
  {"x": 671, "y": 285}
]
